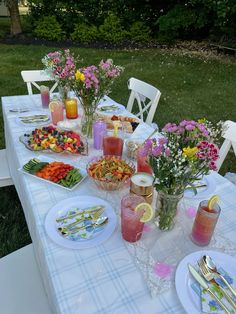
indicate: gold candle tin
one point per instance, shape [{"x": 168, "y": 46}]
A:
[{"x": 141, "y": 183}]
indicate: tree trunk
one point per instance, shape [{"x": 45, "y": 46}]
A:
[{"x": 14, "y": 16}]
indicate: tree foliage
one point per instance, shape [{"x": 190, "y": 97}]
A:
[{"x": 166, "y": 19}]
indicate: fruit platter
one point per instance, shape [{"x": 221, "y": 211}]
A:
[
  {"x": 57, "y": 172},
  {"x": 49, "y": 138}
]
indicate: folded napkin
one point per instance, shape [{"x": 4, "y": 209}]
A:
[
  {"x": 209, "y": 305},
  {"x": 142, "y": 132}
]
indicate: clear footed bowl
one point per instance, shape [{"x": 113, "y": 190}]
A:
[{"x": 110, "y": 172}]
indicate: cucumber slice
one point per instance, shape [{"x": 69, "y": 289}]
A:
[
  {"x": 37, "y": 167},
  {"x": 31, "y": 163}
]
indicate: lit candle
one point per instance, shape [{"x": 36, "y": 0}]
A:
[{"x": 141, "y": 183}]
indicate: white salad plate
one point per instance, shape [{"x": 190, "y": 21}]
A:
[
  {"x": 95, "y": 235},
  {"x": 33, "y": 119},
  {"x": 184, "y": 280},
  {"x": 83, "y": 173},
  {"x": 204, "y": 191}
]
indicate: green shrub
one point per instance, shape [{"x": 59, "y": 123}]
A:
[
  {"x": 112, "y": 30},
  {"x": 139, "y": 32},
  {"x": 85, "y": 33},
  {"x": 48, "y": 28},
  {"x": 177, "y": 21},
  {"x": 2, "y": 33}
]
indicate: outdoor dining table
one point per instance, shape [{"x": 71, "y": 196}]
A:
[{"x": 100, "y": 279}]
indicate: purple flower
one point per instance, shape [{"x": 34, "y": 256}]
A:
[
  {"x": 167, "y": 152},
  {"x": 189, "y": 127},
  {"x": 170, "y": 127},
  {"x": 162, "y": 140},
  {"x": 157, "y": 151}
]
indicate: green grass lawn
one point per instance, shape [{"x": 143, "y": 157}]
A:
[{"x": 192, "y": 86}]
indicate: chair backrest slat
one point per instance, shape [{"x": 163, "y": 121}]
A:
[
  {"x": 31, "y": 77},
  {"x": 229, "y": 134},
  {"x": 140, "y": 91}
]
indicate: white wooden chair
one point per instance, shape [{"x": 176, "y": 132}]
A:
[
  {"x": 229, "y": 134},
  {"x": 5, "y": 177},
  {"x": 31, "y": 77},
  {"x": 21, "y": 287},
  {"x": 146, "y": 96}
]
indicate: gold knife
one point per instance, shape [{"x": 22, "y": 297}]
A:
[{"x": 203, "y": 283}]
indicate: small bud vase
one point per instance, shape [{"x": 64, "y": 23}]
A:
[{"x": 166, "y": 210}]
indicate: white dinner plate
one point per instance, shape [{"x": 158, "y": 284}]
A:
[
  {"x": 24, "y": 118},
  {"x": 202, "y": 192},
  {"x": 83, "y": 173},
  {"x": 81, "y": 202},
  {"x": 110, "y": 108},
  {"x": 183, "y": 279}
]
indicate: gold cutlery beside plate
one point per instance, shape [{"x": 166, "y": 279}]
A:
[
  {"x": 80, "y": 222},
  {"x": 196, "y": 290}
]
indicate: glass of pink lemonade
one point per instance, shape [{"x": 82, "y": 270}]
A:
[
  {"x": 142, "y": 164},
  {"x": 131, "y": 226},
  {"x": 57, "y": 111},
  {"x": 45, "y": 96},
  {"x": 113, "y": 142},
  {"x": 204, "y": 224}
]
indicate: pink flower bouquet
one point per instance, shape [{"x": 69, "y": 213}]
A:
[{"x": 182, "y": 154}]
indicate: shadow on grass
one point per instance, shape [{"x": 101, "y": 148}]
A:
[{"x": 14, "y": 232}]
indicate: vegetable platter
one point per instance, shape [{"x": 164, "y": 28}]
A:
[{"x": 58, "y": 173}]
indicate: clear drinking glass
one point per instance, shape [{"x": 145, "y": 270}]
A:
[
  {"x": 71, "y": 108},
  {"x": 99, "y": 128},
  {"x": 142, "y": 164},
  {"x": 131, "y": 227},
  {"x": 57, "y": 111},
  {"x": 113, "y": 142},
  {"x": 204, "y": 224},
  {"x": 45, "y": 96}
]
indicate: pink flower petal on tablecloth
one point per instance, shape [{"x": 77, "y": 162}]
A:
[
  {"x": 163, "y": 270},
  {"x": 191, "y": 212}
]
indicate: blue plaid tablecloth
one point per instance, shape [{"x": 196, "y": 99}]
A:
[{"x": 103, "y": 279}]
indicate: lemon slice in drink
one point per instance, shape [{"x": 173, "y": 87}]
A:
[
  {"x": 52, "y": 105},
  {"x": 212, "y": 201},
  {"x": 148, "y": 211}
]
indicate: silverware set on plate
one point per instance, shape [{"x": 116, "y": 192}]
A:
[
  {"x": 207, "y": 276},
  {"x": 92, "y": 215}
]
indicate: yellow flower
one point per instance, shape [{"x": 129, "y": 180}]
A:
[
  {"x": 79, "y": 76},
  {"x": 203, "y": 120},
  {"x": 189, "y": 152}
]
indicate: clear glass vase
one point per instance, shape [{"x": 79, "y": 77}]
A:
[
  {"x": 89, "y": 107},
  {"x": 166, "y": 209},
  {"x": 87, "y": 124},
  {"x": 63, "y": 92}
]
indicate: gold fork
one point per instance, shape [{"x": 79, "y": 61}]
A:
[{"x": 209, "y": 276}]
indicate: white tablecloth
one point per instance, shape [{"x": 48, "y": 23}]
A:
[{"x": 103, "y": 279}]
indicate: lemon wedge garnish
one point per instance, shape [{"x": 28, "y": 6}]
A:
[
  {"x": 52, "y": 106},
  {"x": 148, "y": 211},
  {"x": 212, "y": 201}
]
